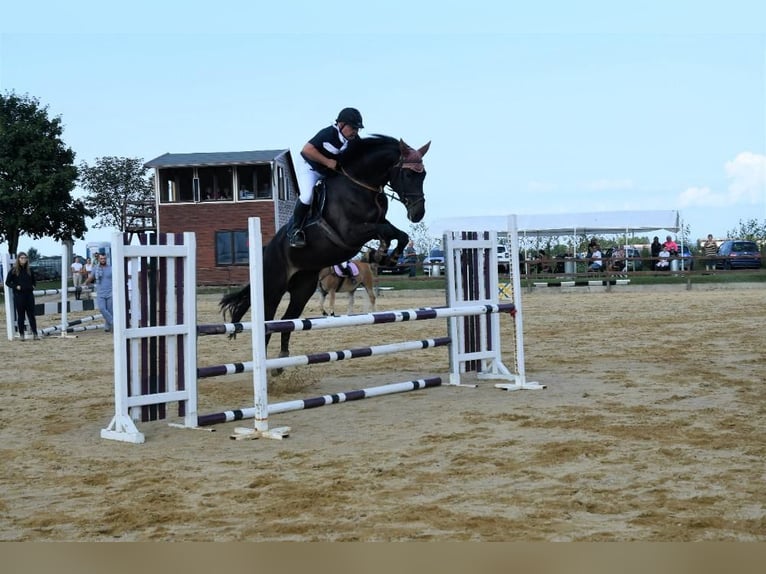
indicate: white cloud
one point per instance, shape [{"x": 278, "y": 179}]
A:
[
  {"x": 702, "y": 197},
  {"x": 747, "y": 184},
  {"x": 748, "y": 178}
]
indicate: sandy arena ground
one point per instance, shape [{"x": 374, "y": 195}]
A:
[{"x": 651, "y": 428}]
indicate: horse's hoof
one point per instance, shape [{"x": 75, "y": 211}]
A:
[{"x": 278, "y": 371}]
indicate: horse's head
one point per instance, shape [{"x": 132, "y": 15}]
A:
[{"x": 407, "y": 180}]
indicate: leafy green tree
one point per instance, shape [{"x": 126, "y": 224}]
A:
[
  {"x": 37, "y": 175},
  {"x": 33, "y": 254},
  {"x": 750, "y": 230},
  {"x": 115, "y": 186}
]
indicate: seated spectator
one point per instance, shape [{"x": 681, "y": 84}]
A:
[
  {"x": 596, "y": 264},
  {"x": 671, "y": 245},
  {"x": 663, "y": 261}
]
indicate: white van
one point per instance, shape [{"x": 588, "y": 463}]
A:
[{"x": 503, "y": 259}]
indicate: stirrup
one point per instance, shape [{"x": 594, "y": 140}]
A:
[{"x": 298, "y": 239}]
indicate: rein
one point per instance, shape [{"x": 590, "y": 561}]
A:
[{"x": 361, "y": 183}]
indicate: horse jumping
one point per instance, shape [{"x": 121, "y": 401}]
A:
[
  {"x": 351, "y": 211},
  {"x": 333, "y": 280}
]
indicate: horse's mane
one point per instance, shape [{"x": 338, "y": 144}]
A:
[{"x": 369, "y": 148}]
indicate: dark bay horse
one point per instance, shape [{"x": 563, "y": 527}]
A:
[{"x": 351, "y": 212}]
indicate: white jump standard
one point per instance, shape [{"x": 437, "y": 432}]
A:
[{"x": 156, "y": 339}]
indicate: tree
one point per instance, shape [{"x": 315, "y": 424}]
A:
[
  {"x": 37, "y": 175},
  {"x": 115, "y": 185},
  {"x": 750, "y": 230},
  {"x": 422, "y": 239}
]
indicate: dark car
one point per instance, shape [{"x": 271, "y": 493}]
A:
[
  {"x": 738, "y": 254},
  {"x": 401, "y": 268}
]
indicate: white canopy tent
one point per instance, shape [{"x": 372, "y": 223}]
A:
[
  {"x": 605, "y": 222},
  {"x": 573, "y": 224}
]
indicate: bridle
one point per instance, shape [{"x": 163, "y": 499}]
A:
[{"x": 414, "y": 162}]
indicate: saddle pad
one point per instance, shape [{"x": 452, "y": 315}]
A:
[{"x": 339, "y": 270}]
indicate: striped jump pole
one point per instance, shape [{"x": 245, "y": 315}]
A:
[
  {"x": 326, "y": 357},
  {"x": 72, "y": 324},
  {"x": 311, "y": 403},
  {"x": 376, "y": 318}
]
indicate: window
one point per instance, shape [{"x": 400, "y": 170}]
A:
[
  {"x": 216, "y": 183},
  {"x": 176, "y": 185},
  {"x": 281, "y": 183},
  {"x": 254, "y": 181},
  {"x": 231, "y": 248}
]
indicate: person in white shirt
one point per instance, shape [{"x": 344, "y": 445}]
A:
[
  {"x": 663, "y": 263},
  {"x": 595, "y": 258},
  {"x": 77, "y": 268}
]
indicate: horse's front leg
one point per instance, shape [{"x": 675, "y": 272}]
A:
[
  {"x": 301, "y": 289},
  {"x": 389, "y": 233}
]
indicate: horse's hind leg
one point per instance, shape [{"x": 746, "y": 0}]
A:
[
  {"x": 332, "y": 302},
  {"x": 371, "y": 295}
]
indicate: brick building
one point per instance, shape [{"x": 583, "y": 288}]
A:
[{"x": 213, "y": 194}]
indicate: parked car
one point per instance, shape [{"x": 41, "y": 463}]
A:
[
  {"x": 399, "y": 269},
  {"x": 435, "y": 257},
  {"x": 738, "y": 254},
  {"x": 503, "y": 259}
]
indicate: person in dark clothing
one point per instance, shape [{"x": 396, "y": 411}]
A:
[
  {"x": 21, "y": 280},
  {"x": 656, "y": 248}
]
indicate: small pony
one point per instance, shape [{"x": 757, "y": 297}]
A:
[{"x": 333, "y": 280}]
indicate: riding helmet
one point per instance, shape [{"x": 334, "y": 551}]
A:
[{"x": 351, "y": 116}]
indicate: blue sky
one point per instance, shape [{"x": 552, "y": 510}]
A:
[{"x": 543, "y": 109}]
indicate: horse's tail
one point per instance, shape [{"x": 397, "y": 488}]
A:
[{"x": 236, "y": 304}]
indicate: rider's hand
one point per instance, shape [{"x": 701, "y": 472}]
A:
[{"x": 333, "y": 164}]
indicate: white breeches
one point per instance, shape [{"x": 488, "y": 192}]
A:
[{"x": 307, "y": 178}]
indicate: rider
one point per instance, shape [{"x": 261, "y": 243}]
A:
[{"x": 320, "y": 159}]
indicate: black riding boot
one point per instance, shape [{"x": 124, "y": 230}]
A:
[{"x": 296, "y": 236}]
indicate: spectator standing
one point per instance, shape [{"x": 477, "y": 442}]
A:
[
  {"x": 21, "y": 280},
  {"x": 77, "y": 269},
  {"x": 87, "y": 269},
  {"x": 710, "y": 248},
  {"x": 102, "y": 275},
  {"x": 411, "y": 257},
  {"x": 656, "y": 247}
]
